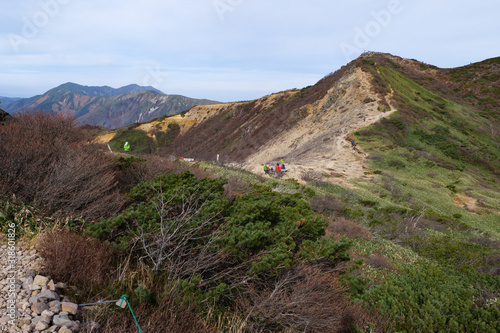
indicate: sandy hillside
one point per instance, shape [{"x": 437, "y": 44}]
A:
[
  {"x": 197, "y": 115},
  {"x": 318, "y": 143}
]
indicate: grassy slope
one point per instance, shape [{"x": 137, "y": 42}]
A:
[
  {"x": 421, "y": 143},
  {"x": 434, "y": 151},
  {"x": 428, "y": 154}
]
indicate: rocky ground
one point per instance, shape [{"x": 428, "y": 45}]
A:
[{"x": 32, "y": 303}]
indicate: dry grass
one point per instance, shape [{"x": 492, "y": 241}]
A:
[
  {"x": 75, "y": 259},
  {"x": 378, "y": 261},
  {"x": 326, "y": 204},
  {"x": 349, "y": 229},
  {"x": 46, "y": 162},
  {"x": 302, "y": 299},
  {"x": 169, "y": 316}
]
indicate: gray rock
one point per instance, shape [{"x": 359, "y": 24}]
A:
[
  {"x": 39, "y": 307},
  {"x": 55, "y": 303},
  {"x": 52, "y": 328},
  {"x": 60, "y": 319},
  {"x": 27, "y": 328},
  {"x": 61, "y": 285},
  {"x": 14, "y": 329},
  {"x": 40, "y": 280},
  {"x": 74, "y": 326},
  {"x": 47, "y": 316},
  {"x": 65, "y": 299},
  {"x": 24, "y": 306},
  {"x": 51, "y": 285},
  {"x": 31, "y": 273},
  {"x": 40, "y": 326},
  {"x": 49, "y": 295},
  {"x": 34, "y": 300},
  {"x": 35, "y": 287},
  {"x": 35, "y": 320},
  {"x": 28, "y": 282},
  {"x": 55, "y": 306},
  {"x": 69, "y": 307}
]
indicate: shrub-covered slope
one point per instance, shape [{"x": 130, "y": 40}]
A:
[{"x": 412, "y": 246}]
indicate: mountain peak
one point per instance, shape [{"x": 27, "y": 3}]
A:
[{"x": 103, "y": 90}]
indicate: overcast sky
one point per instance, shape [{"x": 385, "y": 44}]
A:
[{"x": 228, "y": 50}]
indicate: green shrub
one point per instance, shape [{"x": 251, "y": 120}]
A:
[
  {"x": 140, "y": 142},
  {"x": 28, "y": 220},
  {"x": 271, "y": 228},
  {"x": 452, "y": 188},
  {"x": 184, "y": 229},
  {"x": 424, "y": 297},
  {"x": 164, "y": 139},
  {"x": 369, "y": 203},
  {"x": 353, "y": 213},
  {"x": 396, "y": 164},
  {"x": 397, "y": 122},
  {"x": 174, "y": 193}
]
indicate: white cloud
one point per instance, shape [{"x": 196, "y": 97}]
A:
[{"x": 252, "y": 48}]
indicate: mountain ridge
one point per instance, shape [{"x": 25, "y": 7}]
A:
[
  {"x": 106, "y": 106},
  {"x": 312, "y": 128},
  {"x": 104, "y": 90}
]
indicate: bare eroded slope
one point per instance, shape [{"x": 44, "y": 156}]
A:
[{"x": 319, "y": 142}]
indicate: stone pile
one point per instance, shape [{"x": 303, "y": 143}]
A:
[{"x": 40, "y": 305}]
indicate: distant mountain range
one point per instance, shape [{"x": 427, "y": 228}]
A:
[
  {"x": 105, "y": 106},
  {"x": 5, "y": 100}
]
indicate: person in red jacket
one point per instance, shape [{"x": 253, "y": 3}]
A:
[{"x": 278, "y": 167}]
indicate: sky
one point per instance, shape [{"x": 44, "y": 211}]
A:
[{"x": 228, "y": 50}]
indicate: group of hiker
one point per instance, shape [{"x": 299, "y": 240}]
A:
[{"x": 277, "y": 169}]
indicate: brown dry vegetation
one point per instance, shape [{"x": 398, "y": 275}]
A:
[
  {"x": 306, "y": 299},
  {"x": 475, "y": 85},
  {"x": 75, "y": 259},
  {"x": 169, "y": 316},
  {"x": 349, "y": 229},
  {"x": 45, "y": 161}
]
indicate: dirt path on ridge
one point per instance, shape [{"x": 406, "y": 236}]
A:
[{"x": 317, "y": 146}]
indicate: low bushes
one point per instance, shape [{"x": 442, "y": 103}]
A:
[
  {"x": 349, "y": 229},
  {"x": 215, "y": 252},
  {"x": 75, "y": 259},
  {"x": 424, "y": 297},
  {"x": 326, "y": 204},
  {"x": 46, "y": 163},
  {"x": 307, "y": 298},
  {"x": 169, "y": 315},
  {"x": 140, "y": 142}
]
